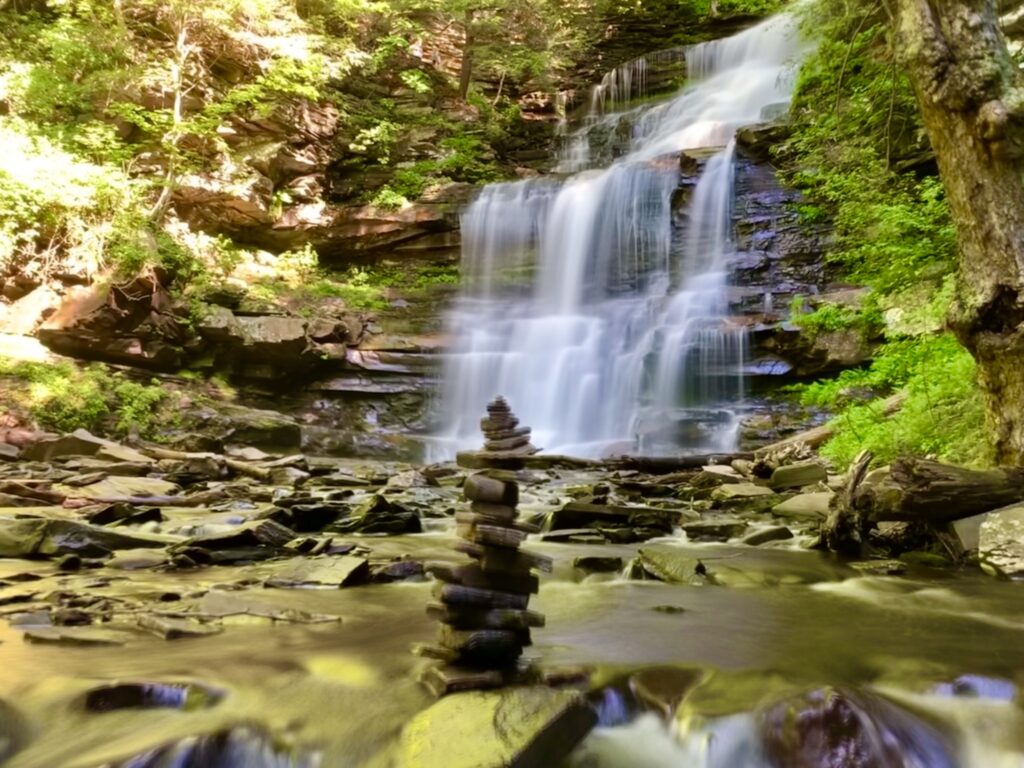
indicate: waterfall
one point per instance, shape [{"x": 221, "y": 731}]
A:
[{"x": 605, "y": 326}]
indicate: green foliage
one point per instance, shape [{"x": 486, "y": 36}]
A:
[
  {"x": 856, "y": 124},
  {"x": 943, "y": 414},
  {"x": 838, "y": 317},
  {"x": 65, "y": 397}
]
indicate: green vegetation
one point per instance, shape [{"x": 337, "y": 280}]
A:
[
  {"x": 859, "y": 153},
  {"x": 65, "y": 397},
  {"x": 867, "y": 319}
]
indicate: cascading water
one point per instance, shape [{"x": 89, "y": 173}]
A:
[{"x": 605, "y": 327}]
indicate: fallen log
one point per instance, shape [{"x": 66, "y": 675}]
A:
[
  {"x": 241, "y": 467},
  {"x": 843, "y": 530},
  {"x": 929, "y": 491},
  {"x": 816, "y": 436}
]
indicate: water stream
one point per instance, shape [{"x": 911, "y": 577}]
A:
[{"x": 588, "y": 301}]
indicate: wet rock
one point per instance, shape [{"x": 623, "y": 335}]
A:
[
  {"x": 379, "y": 515},
  {"x": 834, "y": 728},
  {"x": 806, "y": 506},
  {"x": 225, "y": 605},
  {"x": 335, "y": 572},
  {"x": 308, "y": 518},
  {"x": 400, "y": 570},
  {"x": 9, "y": 452},
  {"x": 978, "y": 687},
  {"x": 233, "y": 748},
  {"x": 254, "y": 534},
  {"x": 70, "y": 617},
  {"x": 410, "y": 479},
  {"x": 662, "y": 688},
  {"x": 1001, "y": 541},
  {"x": 172, "y": 628},
  {"x": 50, "y": 538},
  {"x": 714, "y": 530},
  {"x": 598, "y": 564},
  {"x": 183, "y": 696},
  {"x": 531, "y": 727},
  {"x": 138, "y": 559},
  {"x": 765, "y": 535},
  {"x": 736, "y": 566},
  {"x": 641, "y": 520},
  {"x": 289, "y": 476},
  {"x": 798, "y": 475},
  {"x": 879, "y": 567}
]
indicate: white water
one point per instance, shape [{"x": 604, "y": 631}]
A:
[{"x": 605, "y": 331}]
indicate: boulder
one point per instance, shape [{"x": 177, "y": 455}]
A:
[
  {"x": 798, "y": 475},
  {"x": 1001, "y": 541},
  {"x": 527, "y": 727}
]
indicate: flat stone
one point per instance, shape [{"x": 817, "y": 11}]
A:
[
  {"x": 598, "y": 564},
  {"x": 495, "y": 618},
  {"x": 321, "y": 572},
  {"x": 81, "y": 442},
  {"x": 170, "y": 628},
  {"x": 457, "y": 595},
  {"x": 798, "y": 475},
  {"x": 579, "y": 514},
  {"x": 527, "y": 727},
  {"x": 472, "y": 575},
  {"x": 443, "y": 679},
  {"x": 502, "y": 559},
  {"x": 9, "y": 452},
  {"x": 812, "y": 506},
  {"x": 138, "y": 559},
  {"x": 77, "y": 636},
  {"x": 51, "y": 538},
  {"x": 721, "y": 473},
  {"x": 1001, "y": 541},
  {"x": 482, "y": 488},
  {"x": 256, "y": 533}
]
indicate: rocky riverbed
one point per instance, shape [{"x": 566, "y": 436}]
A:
[{"x": 253, "y": 609}]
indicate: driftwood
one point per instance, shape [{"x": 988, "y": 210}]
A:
[
  {"x": 812, "y": 438},
  {"x": 916, "y": 491},
  {"x": 924, "y": 490},
  {"x": 200, "y": 499},
  {"x": 665, "y": 465},
  {"x": 844, "y": 529},
  {"x": 241, "y": 467}
]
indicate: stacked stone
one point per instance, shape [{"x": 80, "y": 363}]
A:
[
  {"x": 482, "y": 605},
  {"x": 502, "y": 431}
]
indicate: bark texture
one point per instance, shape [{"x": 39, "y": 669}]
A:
[{"x": 972, "y": 104}]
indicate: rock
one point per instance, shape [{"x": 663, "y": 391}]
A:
[
  {"x": 714, "y": 530},
  {"x": 767, "y": 534},
  {"x": 9, "y": 452},
  {"x": 150, "y": 695},
  {"x": 835, "y": 727},
  {"x": 40, "y": 537},
  {"x": 238, "y": 746},
  {"x": 410, "y": 479},
  {"x": 879, "y": 567},
  {"x": 309, "y": 518},
  {"x": 736, "y": 566},
  {"x": 114, "y": 487},
  {"x": 330, "y": 572},
  {"x": 1001, "y": 541},
  {"x": 81, "y": 442},
  {"x": 717, "y": 474},
  {"x": 138, "y": 559},
  {"x": 740, "y": 491},
  {"x": 813, "y": 506},
  {"x": 579, "y": 514},
  {"x": 598, "y": 564},
  {"x": 254, "y": 534},
  {"x": 379, "y": 515},
  {"x": 662, "y": 688},
  {"x": 529, "y": 727},
  {"x": 798, "y": 475}
]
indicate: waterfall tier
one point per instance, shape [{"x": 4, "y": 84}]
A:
[{"x": 604, "y": 324}]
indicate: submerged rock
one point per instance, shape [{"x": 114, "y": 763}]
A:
[
  {"x": 530, "y": 727},
  {"x": 240, "y": 747},
  {"x": 184, "y": 696},
  {"x": 834, "y": 728}
]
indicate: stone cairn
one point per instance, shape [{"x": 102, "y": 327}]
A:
[{"x": 482, "y": 605}]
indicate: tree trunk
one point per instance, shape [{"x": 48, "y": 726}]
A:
[
  {"x": 466, "y": 70},
  {"x": 973, "y": 109}
]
